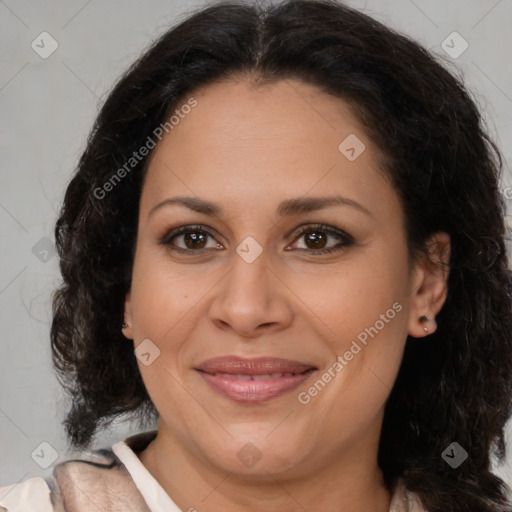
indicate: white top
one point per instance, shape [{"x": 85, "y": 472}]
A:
[
  {"x": 154, "y": 495},
  {"x": 33, "y": 495}
]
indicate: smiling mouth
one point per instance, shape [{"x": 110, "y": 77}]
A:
[
  {"x": 253, "y": 380},
  {"x": 267, "y": 376}
]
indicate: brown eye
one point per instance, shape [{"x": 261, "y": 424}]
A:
[
  {"x": 189, "y": 239},
  {"x": 316, "y": 239},
  {"x": 194, "y": 240}
]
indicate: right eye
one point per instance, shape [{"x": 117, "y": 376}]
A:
[{"x": 193, "y": 239}]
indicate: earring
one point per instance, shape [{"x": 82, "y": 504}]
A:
[
  {"x": 425, "y": 318},
  {"x": 125, "y": 326}
]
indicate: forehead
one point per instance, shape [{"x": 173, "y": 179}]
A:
[{"x": 279, "y": 139}]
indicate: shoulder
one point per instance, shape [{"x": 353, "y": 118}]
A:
[
  {"x": 31, "y": 495},
  {"x": 403, "y": 500},
  {"x": 102, "y": 484},
  {"x": 97, "y": 480}
]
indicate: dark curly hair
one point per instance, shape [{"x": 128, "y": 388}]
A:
[{"x": 456, "y": 385}]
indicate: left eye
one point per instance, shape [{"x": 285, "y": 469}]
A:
[{"x": 315, "y": 238}]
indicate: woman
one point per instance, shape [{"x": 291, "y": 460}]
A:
[{"x": 284, "y": 240}]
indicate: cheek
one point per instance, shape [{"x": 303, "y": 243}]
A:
[
  {"x": 364, "y": 296},
  {"x": 162, "y": 294},
  {"x": 161, "y": 301},
  {"x": 361, "y": 313},
  {"x": 366, "y": 350},
  {"x": 370, "y": 318}
]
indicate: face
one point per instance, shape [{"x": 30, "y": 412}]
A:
[{"x": 323, "y": 291}]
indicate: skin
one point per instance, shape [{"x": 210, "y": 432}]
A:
[{"x": 247, "y": 149}]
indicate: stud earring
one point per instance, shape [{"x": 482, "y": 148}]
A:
[{"x": 425, "y": 318}]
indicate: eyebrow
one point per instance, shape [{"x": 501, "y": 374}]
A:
[{"x": 287, "y": 207}]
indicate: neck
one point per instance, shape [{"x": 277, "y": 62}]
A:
[{"x": 346, "y": 482}]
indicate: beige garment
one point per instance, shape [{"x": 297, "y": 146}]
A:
[{"x": 116, "y": 480}]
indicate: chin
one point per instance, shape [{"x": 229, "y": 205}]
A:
[{"x": 256, "y": 456}]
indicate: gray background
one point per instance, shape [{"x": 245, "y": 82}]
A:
[{"x": 48, "y": 106}]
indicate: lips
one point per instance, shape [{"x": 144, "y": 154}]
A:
[{"x": 253, "y": 380}]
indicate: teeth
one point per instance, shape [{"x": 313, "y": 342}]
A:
[{"x": 256, "y": 377}]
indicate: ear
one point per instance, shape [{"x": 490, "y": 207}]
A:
[
  {"x": 128, "y": 317},
  {"x": 429, "y": 285}
]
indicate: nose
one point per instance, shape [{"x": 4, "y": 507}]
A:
[{"x": 251, "y": 299}]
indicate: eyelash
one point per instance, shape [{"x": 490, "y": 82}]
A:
[{"x": 346, "y": 239}]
